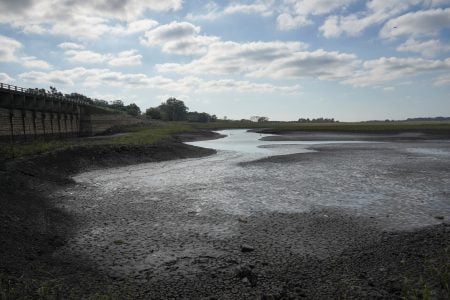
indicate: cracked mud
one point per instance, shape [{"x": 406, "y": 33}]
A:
[{"x": 260, "y": 221}]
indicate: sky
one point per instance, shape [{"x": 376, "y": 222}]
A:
[{"x": 285, "y": 59}]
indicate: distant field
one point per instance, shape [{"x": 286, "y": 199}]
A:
[{"x": 375, "y": 127}]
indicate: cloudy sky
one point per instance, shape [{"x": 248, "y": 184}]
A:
[{"x": 285, "y": 59}]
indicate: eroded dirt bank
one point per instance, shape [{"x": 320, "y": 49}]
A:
[
  {"x": 32, "y": 228},
  {"x": 160, "y": 242}
]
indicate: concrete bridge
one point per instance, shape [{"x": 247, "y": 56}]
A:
[{"x": 26, "y": 114}]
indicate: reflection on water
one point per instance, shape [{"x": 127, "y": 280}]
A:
[
  {"x": 383, "y": 180},
  {"x": 243, "y": 141}
]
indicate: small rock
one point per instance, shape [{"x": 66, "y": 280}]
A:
[{"x": 247, "y": 248}]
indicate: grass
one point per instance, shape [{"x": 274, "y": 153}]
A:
[
  {"x": 52, "y": 289},
  {"x": 144, "y": 135},
  {"x": 375, "y": 127},
  {"x": 435, "y": 282},
  {"x": 137, "y": 135}
]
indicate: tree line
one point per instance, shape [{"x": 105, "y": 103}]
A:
[
  {"x": 131, "y": 109},
  {"x": 318, "y": 120},
  {"x": 171, "y": 110},
  {"x": 175, "y": 110}
]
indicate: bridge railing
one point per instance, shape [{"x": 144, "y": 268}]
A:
[{"x": 42, "y": 92}]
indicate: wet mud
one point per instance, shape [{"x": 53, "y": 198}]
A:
[{"x": 333, "y": 221}]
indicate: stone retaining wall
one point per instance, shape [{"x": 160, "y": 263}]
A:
[{"x": 25, "y": 116}]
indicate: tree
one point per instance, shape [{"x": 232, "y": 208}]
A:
[
  {"x": 117, "y": 104},
  {"x": 263, "y": 119},
  {"x": 318, "y": 120},
  {"x": 254, "y": 118},
  {"x": 102, "y": 103},
  {"x": 174, "y": 109},
  {"x": 133, "y": 109},
  {"x": 154, "y": 113},
  {"x": 198, "y": 117}
]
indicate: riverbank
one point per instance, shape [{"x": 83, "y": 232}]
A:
[
  {"x": 437, "y": 128},
  {"x": 111, "y": 238},
  {"x": 32, "y": 228}
]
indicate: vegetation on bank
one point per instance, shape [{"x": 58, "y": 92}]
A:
[
  {"x": 173, "y": 116},
  {"x": 360, "y": 127},
  {"x": 145, "y": 134},
  {"x": 142, "y": 134},
  {"x": 175, "y": 110}
]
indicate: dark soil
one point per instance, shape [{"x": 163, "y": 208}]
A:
[
  {"x": 31, "y": 229},
  {"x": 265, "y": 265}
]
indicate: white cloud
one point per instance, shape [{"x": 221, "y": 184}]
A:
[
  {"x": 70, "y": 46},
  {"x": 268, "y": 60},
  {"x": 32, "y": 62},
  {"x": 296, "y": 13},
  {"x": 213, "y": 11},
  {"x": 196, "y": 84},
  {"x": 85, "y": 56},
  {"x": 387, "y": 69},
  {"x": 258, "y": 7},
  {"x": 290, "y": 60},
  {"x": 180, "y": 38},
  {"x": 8, "y": 49},
  {"x": 428, "y": 48},
  {"x": 5, "y": 78},
  {"x": 10, "y": 52},
  {"x": 34, "y": 29},
  {"x": 106, "y": 77},
  {"x": 286, "y": 21},
  {"x": 442, "y": 80},
  {"x": 376, "y": 12},
  {"x": 141, "y": 25},
  {"x": 420, "y": 23},
  {"x": 319, "y": 64},
  {"x": 82, "y": 19},
  {"x": 124, "y": 58},
  {"x": 134, "y": 27}
]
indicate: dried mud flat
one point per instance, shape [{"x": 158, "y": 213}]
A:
[{"x": 101, "y": 234}]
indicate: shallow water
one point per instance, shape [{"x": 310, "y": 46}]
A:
[
  {"x": 180, "y": 217},
  {"x": 371, "y": 182},
  {"x": 243, "y": 141}
]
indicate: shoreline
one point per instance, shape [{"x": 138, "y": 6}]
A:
[
  {"x": 372, "y": 265},
  {"x": 349, "y": 136},
  {"x": 32, "y": 229}
]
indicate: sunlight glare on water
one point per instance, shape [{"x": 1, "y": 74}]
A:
[{"x": 244, "y": 141}]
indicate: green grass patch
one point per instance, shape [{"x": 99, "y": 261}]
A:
[
  {"x": 12, "y": 288},
  {"x": 375, "y": 127},
  {"x": 151, "y": 135},
  {"x": 434, "y": 282},
  {"x": 135, "y": 135}
]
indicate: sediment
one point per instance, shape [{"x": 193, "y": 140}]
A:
[{"x": 268, "y": 260}]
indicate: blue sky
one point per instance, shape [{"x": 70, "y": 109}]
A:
[{"x": 346, "y": 59}]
